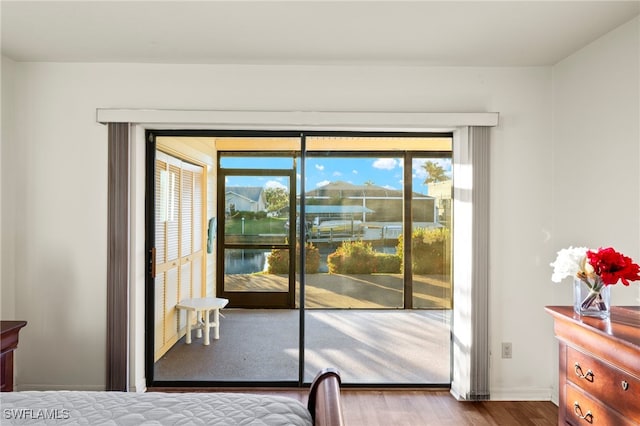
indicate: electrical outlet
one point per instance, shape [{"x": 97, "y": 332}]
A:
[{"x": 506, "y": 350}]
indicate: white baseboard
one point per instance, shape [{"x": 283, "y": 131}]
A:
[{"x": 522, "y": 394}]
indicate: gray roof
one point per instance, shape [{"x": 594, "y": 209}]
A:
[
  {"x": 343, "y": 189},
  {"x": 249, "y": 192},
  {"x": 320, "y": 209}
]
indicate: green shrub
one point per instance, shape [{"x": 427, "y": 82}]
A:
[
  {"x": 430, "y": 251},
  {"x": 312, "y": 259},
  {"x": 278, "y": 262},
  {"x": 387, "y": 263},
  {"x": 352, "y": 257},
  {"x": 335, "y": 262},
  {"x": 246, "y": 214}
]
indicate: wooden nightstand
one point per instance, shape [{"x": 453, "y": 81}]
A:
[
  {"x": 599, "y": 372},
  {"x": 9, "y": 332}
]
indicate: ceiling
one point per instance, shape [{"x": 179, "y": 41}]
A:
[{"x": 440, "y": 33}]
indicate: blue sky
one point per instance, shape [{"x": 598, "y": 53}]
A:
[{"x": 386, "y": 172}]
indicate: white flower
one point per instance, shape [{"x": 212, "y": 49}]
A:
[{"x": 569, "y": 262}]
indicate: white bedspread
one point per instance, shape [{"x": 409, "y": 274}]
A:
[{"x": 153, "y": 408}]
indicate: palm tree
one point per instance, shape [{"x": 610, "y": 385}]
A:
[{"x": 435, "y": 172}]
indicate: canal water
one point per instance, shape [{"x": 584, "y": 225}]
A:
[{"x": 249, "y": 261}]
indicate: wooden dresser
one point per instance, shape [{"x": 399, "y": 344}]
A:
[
  {"x": 9, "y": 337},
  {"x": 599, "y": 367}
]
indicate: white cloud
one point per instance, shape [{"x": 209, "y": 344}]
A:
[
  {"x": 323, "y": 183},
  {"x": 274, "y": 184},
  {"x": 389, "y": 187},
  {"x": 355, "y": 172},
  {"x": 336, "y": 173},
  {"x": 319, "y": 167},
  {"x": 420, "y": 172},
  {"x": 385, "y": 163}
]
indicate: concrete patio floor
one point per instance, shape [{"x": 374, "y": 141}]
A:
[{"x": 365, "y": 291}]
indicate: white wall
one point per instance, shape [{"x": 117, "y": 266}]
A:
[
  {"x": 564, "y": 171},
  {"x": 596, "y": 152},
  {"x": 8, "y": 152},
  {"x": 57, "y": 204},
  {"x": 558, "y": 127},
  {"x": 60, "y": 159}
]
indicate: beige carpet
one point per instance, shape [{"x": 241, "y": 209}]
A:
[{"x": 367, "y": 346}]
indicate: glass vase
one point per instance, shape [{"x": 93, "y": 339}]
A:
[{"x": 591, "y": 300}]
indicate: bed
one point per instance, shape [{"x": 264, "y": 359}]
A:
[{"x": 323, "y": 407}]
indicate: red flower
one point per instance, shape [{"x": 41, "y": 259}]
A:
[{"x": 612, "y": 266}]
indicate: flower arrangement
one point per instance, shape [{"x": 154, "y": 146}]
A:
[{"x": 596, "y": 269}]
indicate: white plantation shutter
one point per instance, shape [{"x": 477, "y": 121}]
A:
[
  {"x": 198, "y": 209},
  {"x": 197, "y": 231},
  {"x": 197, "y": 275},
  {"x": 161, "y": 188},
  {"x": 159, "y": 336},
  {"x": 185, "y": 285},
  {"x": 186, "y": 212},
  {"x": 170, "y": 301},
  {"x": 173, "y": 214},
  {"x": 179, "y": 257}
]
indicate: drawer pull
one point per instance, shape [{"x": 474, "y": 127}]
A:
[
  {"x": 588, "y": 376},
  {"x": 588, "y": 417},
  {"x": 625, "y": 385}
]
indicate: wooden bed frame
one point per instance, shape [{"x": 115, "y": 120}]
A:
[{"x": 324, "y": 399}]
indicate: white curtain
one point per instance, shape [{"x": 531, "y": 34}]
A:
[{"x": 470, "y": 331}]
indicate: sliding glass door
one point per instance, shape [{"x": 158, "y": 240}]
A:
[
  {"x": 378, "y": 309},
  {"x": 333, "y": 250}
]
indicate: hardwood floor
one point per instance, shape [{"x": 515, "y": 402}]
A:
[
  {"x": 431, "y": 408},
  {"x": 439, "y": 408}
]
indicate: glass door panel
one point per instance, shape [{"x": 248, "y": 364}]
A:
[
  {"x": 354, "y": 203},
  {"x": 256, "y": 270},
  {"x": 255, "y": 208},
  {"x": 354, "y": 206},
  {"x": 431, "y": 234},
  {"x": 370, "y": 310},
  {"x": 244, "y": 233}
]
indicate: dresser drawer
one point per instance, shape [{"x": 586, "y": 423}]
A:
[
  {"x": 581, "y": 410},
  {"x": 607, "y": 384}
]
